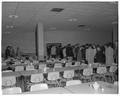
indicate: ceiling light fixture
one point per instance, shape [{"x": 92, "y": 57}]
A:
[
  {"x": 13, "y": 16},
  {"x": 9, "y": 26},
  {"x": 72, "y": 19},
  {"x": 8, "y": 32}
]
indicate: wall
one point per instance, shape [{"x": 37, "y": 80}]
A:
[
  {"x": 26, "y": 40},
  {"x": 115, "y": 32},
  {"x": 81, "y": 37}
]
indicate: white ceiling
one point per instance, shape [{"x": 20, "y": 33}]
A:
[{"x": 95, "y": 15}]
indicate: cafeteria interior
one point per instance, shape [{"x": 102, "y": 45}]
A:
[{"x": 59, "y": 48}]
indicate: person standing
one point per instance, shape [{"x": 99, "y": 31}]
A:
[
  {"x": 53, "y": 51},
  {"x": 69, "y": 51},
  {"x": 90, "y": 55},
  {"x": 18, "y": 52},
  {"x": 109, "y": 54}
]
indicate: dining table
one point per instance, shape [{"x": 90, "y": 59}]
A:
[
  {"x": 87, "y": 88},
  {"x": 57, "y": 90}
]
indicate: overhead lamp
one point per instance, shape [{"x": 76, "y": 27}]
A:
[
  {"x": 72, "y": 19},
  {"x": 9, "y": 26},
  {"x": 13, "y": 16},
  {"x": 7, "y": 32}
]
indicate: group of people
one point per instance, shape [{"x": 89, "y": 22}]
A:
[
  {"x": 88, "y": 53},
  {"x": 11, "y": 52}
]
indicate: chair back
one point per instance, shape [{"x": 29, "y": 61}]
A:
[
  {"x": 73, "y": 82},
  {"x": 38, "y": 87},
  {"x": 77, "y": 63},
  {"x": 8, "y": 81},
  {"x": 53, "y": 76},
  {"x": 29, "y": 67},
  {"x": 19, "y": 68},
  {"x": 87, "y": 71},
  {"x": 12, "y": 90},
  {"x": 116, "y": 83},
  {"x": 58, "y": 65},
  {"x": 42, "y": 66},
  {"x": 4, "y": 63},
  {"x": 101, "y": 70},
  {"x": 37, "y": 78},
  {"x": 68, "y": 74},
  {"x": 113, "y": 68},
  {"x": 68, "y": 64},
  {"x": 7, "y": 71}
]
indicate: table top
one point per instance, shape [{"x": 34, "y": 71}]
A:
[
  {"x": 85, "y": 88},
  {"x": 58, "y": 90},
  {"x": 4, "y": 74}
]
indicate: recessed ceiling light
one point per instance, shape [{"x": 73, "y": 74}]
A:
[
  {"x": 13, "y": 16},
  {"x": 9, "y": 26},
  {"x": 72, "y": 19},
  {"x": 7, "y": 32}
]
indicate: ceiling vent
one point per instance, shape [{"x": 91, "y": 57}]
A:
[
  {"x": 81, "y": 25},
  {"x": 57, "y": 9}
]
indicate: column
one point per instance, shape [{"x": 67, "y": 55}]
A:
[{"x": 40, "y": 46}]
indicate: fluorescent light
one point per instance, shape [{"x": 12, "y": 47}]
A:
[
  {"x": 9, "y": 26},
  {"x": 72, "y": 19},
  {"x": 13, "y": 16},
  {"x": 7, "y": 32}
]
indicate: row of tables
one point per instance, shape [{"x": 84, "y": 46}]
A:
[{"x": 24, "y": 73}]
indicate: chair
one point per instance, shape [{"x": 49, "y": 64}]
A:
[
  {"x": 87, "y": 74},
  {"x": 101, "y": 71},
  {"x": 12, "y": 90},
  {"x": 68, "y": 64},
  {"x": 73, "y": 82},
  {"x": 19, "y": 68},
  {"x": 116, "y": 83},
  {"x": 38, "y": 87},
  {"x": 113, "y": 69},
  {"x": 58, "y": 65},
  {"x": 63, "y": 61},
  {"x": 68, "y": 74},
  {"x": 42, "y": 66},
  {"x": 111, "y": 73},
  {"x": 8, "y": 81},
  {"x": 53, "y": 77},
  {"x": 77, "y": 64},
  {"x": 30, "y": 67},
  {"x": 35, "y": 78},
  {"x": 4, "y": 63}
]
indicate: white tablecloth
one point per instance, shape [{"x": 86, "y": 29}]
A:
[
  {"x": 58, "y": 90},
  {"x": 85, "y": 88}
]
